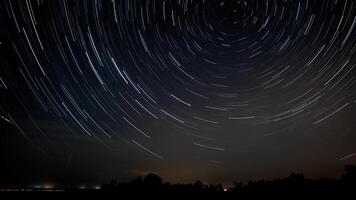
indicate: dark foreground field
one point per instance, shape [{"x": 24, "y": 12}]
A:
[{"x": 295, "y": 184}]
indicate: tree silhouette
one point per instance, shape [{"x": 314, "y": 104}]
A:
[
  {"x": 295, "y": 183},
  {"x": 152, "y": 180},
  {"x": 198, "y": 186}
]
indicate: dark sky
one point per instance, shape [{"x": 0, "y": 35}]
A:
[{"x": 216, "y": 90}]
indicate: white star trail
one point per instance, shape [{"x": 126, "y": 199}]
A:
[{"x": 174, "y": 73}]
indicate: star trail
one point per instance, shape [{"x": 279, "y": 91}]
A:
[{"x": 218, "y": 84}]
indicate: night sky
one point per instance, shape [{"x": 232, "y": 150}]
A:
[{"x": 215, "y": 90}]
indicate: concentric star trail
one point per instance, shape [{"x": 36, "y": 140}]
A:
[{"x": 225, "y": 75}]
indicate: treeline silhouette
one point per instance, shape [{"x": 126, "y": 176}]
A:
[{"x": 294, "y": 183}]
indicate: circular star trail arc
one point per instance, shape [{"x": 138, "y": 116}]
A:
[{"x": 211, "y": 70}]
